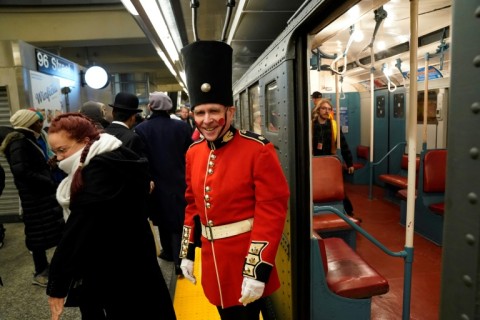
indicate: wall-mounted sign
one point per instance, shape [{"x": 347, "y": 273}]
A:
[
  {"x": 54, "y": 65},
  {"x": 46, "y": 95},
  {"x": 433, "y": 73}
]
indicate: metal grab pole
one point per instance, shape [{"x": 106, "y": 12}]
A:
[
  {"x": 372, "y": 117},
  {"x": 425, "y": 103},
  {"x": 412, "y": 154},
  {"x": 337, "y": 102}
]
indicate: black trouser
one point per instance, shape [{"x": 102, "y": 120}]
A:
[
  {"x": 250, "y": 312},
  {"x": 39, "y": 260},
  {"x": 92, "y": 312},
  {"x": 347, "y": 205}
]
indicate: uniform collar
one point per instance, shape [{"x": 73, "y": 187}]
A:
[{"x": 223, "y": 140}]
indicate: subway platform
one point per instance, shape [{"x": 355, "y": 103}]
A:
[{"x": 19, "y": 298}]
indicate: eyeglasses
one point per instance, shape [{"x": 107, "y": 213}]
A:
[
  {"x": 325, "y": 108},
  {"x": 61, "y": 150}
]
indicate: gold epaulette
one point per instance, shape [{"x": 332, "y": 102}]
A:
[{"x": 253, "y": 136}]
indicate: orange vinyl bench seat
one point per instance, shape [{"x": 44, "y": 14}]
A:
[
  {"x": 402, "y": 194},
  {"x": 399, "y": 180},
  {"x": 347, "y": 274},
  {"x": 396, "y": 180},
  {"x": 438, "y": 208},
  {"x": 331, "y": 222},
  {"x": 363, "y": 152}
]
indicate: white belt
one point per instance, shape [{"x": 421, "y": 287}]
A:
[{"x": 227, "y": 230}]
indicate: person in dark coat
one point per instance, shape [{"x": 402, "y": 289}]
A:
[
  {"x": 166, "y": 140},
  {"x": 106, "y": 261},
  {"x": 3, "y": 132},
  {"x": 185, "y": 116},
  {"x": 125, "y": 109},
  {"x": 2, "y": 186},
  {"x": 42, "y": 215},
  {"x": 324, "y": 140}
]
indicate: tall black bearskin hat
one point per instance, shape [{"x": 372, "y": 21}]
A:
[{"x": 208, "y": 68}]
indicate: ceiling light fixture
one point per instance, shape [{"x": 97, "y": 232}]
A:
[
  {"x": 95, "y": 77},
  {"x": 157, "y": 21},
  {"x": 156, "y": 17},
  {"x": 129, "y": 6}
]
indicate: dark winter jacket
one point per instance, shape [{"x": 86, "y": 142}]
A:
[
  {"x": 166, "y": 143},
  {"x": 108, "y": 242},
  {"x": 41, "y": 212},
  {"x": 322, "y": 134},
  {"x": 129, "y": 138},
  {"x": 2, "y": 180}
]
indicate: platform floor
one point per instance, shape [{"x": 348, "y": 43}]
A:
[{"x": 19, "y": 299}]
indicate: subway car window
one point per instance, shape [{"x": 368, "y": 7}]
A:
[
  {"x": 271, "y": 107},
  {"x": 238, "y": 113},
  {"x": 254, "y": 109},
  {"x": 431, "y": 107},
  {"x": 243, "y": 105}
]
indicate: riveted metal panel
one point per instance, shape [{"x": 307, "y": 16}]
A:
[
  {"x": 278, "y": 49},
  {"x": 461, "y": 254}
]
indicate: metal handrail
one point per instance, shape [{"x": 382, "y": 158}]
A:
[
  {"x": 372, "y": 164},
  {"x": 406, "y": 254}
]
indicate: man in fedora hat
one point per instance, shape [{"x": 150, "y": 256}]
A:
[
  {"x": 236, "y": 185},
  {"x": 125, "y": 109}
]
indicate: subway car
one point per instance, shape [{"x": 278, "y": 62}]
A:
[{"x": 401, "y": 77}]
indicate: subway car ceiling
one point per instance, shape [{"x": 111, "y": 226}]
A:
[
  {"x": 103, "y": 32},
  {"x": 385, "y": 27}
]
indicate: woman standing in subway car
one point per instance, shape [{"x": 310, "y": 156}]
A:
[{"x": 106, "y": 261}]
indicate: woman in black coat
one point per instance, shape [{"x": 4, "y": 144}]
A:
[
  {"x": 108, "y": 250},
  {"x": 41, "y": 212}
]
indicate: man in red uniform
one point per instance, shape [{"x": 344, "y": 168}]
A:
[{"x": 236, "y": 185}]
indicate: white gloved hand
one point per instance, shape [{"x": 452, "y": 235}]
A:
[
  {"x": 187, "y": 269},
  {"x": 251, "y": 290}
]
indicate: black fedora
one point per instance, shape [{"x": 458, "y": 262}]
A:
[{"x": 126, "y": 101}]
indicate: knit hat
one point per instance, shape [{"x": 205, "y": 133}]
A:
[
  {"x": 159, "y": 101},
  {"x": 24, "y": 118}
]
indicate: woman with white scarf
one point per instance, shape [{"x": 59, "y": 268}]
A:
[{"x": 107, "y": 252}]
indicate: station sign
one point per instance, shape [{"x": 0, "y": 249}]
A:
[{"x": 54, "y": 65}]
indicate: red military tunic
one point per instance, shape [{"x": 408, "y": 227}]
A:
[{"x": 232, "y": 179}]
